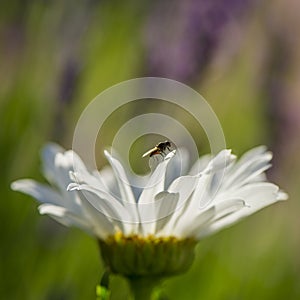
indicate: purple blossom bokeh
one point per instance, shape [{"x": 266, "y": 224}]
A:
[{"x": 182, "y": 36}]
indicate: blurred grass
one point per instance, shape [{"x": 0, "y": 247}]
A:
[{"x": 42, "y": 260}]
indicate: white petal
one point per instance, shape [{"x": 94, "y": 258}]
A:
[
  {"x": 124, "y": 185},
  {"x": 200, "y": 218},
  {"x": 38, "y": 191},
  {"x": 104, "y": 203},
  {"x": 257, "y": 151},
  {"x": 186, "y": 203},
  {"x": 177, "y": 167},
  {"x": 260, "y": 194},
  {"x": 248, "y": 170},
  {"x": 200, "y": 164},
  {"x": 74, "y": 162},
  {"x": 227, "y": 207},
  {"x": 90, "y": 179},
  {"x": 101, "y": 200},
  {"x": 256, "y": 195},
  {"x": 107, "y": 176},
  {"x": 60, "y": 173},
  {"x": 220, "y": 161},
  {"x": 185, "y": 186},
  {"x": 211, "y": 180},
  {"x": 154, "y": 161},
  {"x": 146, "y": 203},
  {"x": 166, "y": 204},
  {"x": 48, "y": 154},
  {"x": 189, "y": 229},
  {"x": 103, "y": 226},
  {"x": 156, "y": 182},
  {"x": 64, "y": 163},
  {"x": 281, "y": 195},
  {"x": 65, "y": 217},
  {"x": 204, "y": 195},
  {"x": 204, "y": 192}
]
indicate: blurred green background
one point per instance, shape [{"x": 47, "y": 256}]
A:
[{"x": 242, "y": 56}]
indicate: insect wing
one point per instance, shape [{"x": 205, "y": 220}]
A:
[{"x": 149, "y": 152}]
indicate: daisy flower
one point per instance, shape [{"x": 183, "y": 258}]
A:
[{"x": 150, "y": 231}]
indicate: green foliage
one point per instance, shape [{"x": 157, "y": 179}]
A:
[{"x": 102, "y": 293}]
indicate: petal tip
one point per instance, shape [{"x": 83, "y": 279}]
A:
[
  {"x": 73, "y": 186},
  {"x": 170, "y": 155},
  {"x": 106, "y": 153},
  {"x": 14, "y": 185},
  {"x": 18, "y": 185},
  {"x": 282, "y": 195}
]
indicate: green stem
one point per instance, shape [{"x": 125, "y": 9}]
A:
[{"x": 142, "y": 288}]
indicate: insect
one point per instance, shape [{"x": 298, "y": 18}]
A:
[{"x": 160, "y": 148}]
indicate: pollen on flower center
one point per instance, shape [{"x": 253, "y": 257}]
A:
[{"x": 136, "y": 256}]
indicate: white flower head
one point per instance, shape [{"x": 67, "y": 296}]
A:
[{"x": 216, "y": 193}]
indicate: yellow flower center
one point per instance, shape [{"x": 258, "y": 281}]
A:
[{"x": 136, "y": 256}]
